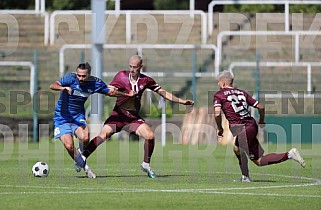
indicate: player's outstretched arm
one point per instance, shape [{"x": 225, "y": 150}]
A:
[
  {"x": 58, "y": 87},
  {"x": 218, "y": 120},
  {"x": 173, "y": 98},
  {"x": 261, "y": 110},
  {"x": 114, "y": 92}
]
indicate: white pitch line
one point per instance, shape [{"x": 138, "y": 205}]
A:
[
  {"x": 263, "y": 187},
  {"x": 166, "y": 191},
  {"x": 268, "y": 194},
  {"x": 209, "y": 190}
]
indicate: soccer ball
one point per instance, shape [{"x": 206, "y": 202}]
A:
[{"x": 40, "y": 169}]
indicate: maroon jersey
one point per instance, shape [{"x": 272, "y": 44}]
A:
[
  {"x": 234, "y": 103},
  {"x": 123, "y": 83}
]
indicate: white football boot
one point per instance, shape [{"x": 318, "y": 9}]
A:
[
  {"x": 295, "y": 155},
  {"x": 148, "y": 170}
]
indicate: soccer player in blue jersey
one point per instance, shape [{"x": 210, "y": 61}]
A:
[{"x": 69, "y": 118}]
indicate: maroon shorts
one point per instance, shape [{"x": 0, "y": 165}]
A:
[
  {"x": 246, "y": 138},
  {"x": 126, "y": 120}
]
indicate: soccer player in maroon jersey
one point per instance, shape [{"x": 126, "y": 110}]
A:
[
  {"x": 126, "y": 111},
  {"x": 235, "y": 103}
]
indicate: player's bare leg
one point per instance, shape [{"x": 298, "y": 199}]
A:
[
  {"x": 104, "y": 134},
  {"x": 82, "y": 132},
  {"x": 68, "y": 142},
  {"x": 145, "y": 132},
  {"x": 80, "y": 161}
]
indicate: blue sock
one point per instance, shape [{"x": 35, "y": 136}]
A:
[{"x": 80, "y": 161}]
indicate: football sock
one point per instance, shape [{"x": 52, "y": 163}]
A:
[
  {"x": 273, "y": 158},
  {"x": 243, "y": 163},
  {"x": 93, "y": 144},
  {"x": 148, "y": 149},
  {"x": 145, "y": 165},
  {"x": 86, "y": 167},
  {"x": 80, "y": 160},
  {"x": 83, "y": 145},
  {"x": 289, "y": 155}
]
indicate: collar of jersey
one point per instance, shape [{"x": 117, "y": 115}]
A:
[{"x": 130, "y": 76}]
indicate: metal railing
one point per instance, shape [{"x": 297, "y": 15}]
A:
[
  {"x": 23, "y": 63},
  {"x": 40, "y": 6},
  {"x": 286, "y": 4},
  {"x": 296, "y": 34},
  {"x": 33, "y": 12},
  {"x": 282, "y": 64},
  {"x": 128, "y": 14},
  {"x": 139, "y": 48}
]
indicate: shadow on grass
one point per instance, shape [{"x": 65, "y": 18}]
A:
[
  {"x": 132, "y": 176},
  {"x": 262, "y": 180}
]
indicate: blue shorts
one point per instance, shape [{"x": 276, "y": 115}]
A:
[{"x": 68, "y": 126}]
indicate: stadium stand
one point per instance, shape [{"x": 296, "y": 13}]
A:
[{"x": 32, "y": 35}]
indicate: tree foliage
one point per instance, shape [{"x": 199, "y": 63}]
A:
[
  {"x": 156, "y": 112},
  {"x": 305, "y": 9},
  {"x": 17, "y": 4},
  {"x": 171, "y": 4},
  {"x": 158, "y": 5},
  {"x": 70, "y": 4},
  {"x": 270, "y": 8}
]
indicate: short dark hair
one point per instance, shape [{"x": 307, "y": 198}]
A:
[
  {"x": 137, "y": 57},
  {"x": 84, "y": 66}
]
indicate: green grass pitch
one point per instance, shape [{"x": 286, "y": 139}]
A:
[{"x": 189, "y": 177}]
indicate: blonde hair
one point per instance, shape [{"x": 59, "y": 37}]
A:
[{"x": 226, "y": 75}]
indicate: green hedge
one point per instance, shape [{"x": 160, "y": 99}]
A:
[{"x": 293, "y": 129}]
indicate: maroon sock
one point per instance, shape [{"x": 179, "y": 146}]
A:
[
  {"x": 243, "y": 162},
  {"x": 148, "y": 149},
  {"x": 273, "y": 158},
  {"x": 93, "y": 144}
]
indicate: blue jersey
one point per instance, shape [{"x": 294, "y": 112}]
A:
[{"x": 69, "y": 107}]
